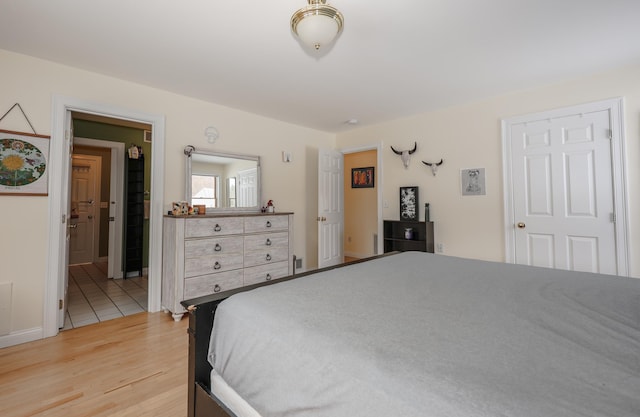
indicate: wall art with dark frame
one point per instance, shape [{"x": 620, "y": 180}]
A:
[
  {"x": 409, "y": 203},
  {"x": 23, "y": 163},
  {"x": 363, "y": 177}
]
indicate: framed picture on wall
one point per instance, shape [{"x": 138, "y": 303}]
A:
[
  {"x": 363, "y": 177},
  {"x": 24, "y": 159},
  {"x": 472, "y": 181},
  {"x": 409, "y": 203}
]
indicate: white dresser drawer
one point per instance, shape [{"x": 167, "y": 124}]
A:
[
  {"x": 218, "y": 226},
  {"x": 214, "y": 246},
  {"x": 266, "y": 248},
  {"x": 266, "y": 223},
  {"x": 209, "y": 284},
  {"x": 263, "y": 273},
  {"x": 212, "y": 264}
]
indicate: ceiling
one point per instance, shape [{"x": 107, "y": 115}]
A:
[{"x": 393, "y": 59}]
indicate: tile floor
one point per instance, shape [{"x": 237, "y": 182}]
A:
[{"x": 94, "y": 298}]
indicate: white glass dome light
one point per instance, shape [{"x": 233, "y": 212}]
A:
[{"x": 317, "y": 24}]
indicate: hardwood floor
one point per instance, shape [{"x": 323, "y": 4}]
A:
[{"x": 132, "y": 366}]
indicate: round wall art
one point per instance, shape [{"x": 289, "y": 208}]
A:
[{"x": 23, "y": 164}]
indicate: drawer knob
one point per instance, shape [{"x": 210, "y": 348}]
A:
[
  {"x": 217, "y": 228},
  {"x": 216, "y": 288},
  {"x": 268, "y": 257},
  {"x": 217, "y": 265},
  {"x": 268, "y": 223},
  {"x": 268, "y": 243},
  {"x": 268, "y": 277},
  {"x": 218, "y": 248}
]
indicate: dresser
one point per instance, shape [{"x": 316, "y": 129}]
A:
[{"x": 206, "y": 254}]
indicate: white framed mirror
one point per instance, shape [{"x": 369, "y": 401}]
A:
[{"x": 223, "y": 182}]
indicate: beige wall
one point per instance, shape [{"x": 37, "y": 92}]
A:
[
  {"x": 469, "y": 136},
  {"x": 465, "y": 136},
  {"x": 361, "y": 207},
  {"x": 24, "y": 221}
]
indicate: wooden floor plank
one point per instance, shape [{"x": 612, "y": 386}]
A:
[{"x": 132, "y": 366}]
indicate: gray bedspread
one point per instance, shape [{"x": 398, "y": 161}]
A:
[{"x": 417, "y": 334}]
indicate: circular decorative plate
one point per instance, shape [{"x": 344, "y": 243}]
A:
[{"x": 21, "y": 163}]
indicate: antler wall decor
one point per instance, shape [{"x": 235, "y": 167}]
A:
[
  {"x": 405, "y": 155},
  {"x": 434, "y": 166}
]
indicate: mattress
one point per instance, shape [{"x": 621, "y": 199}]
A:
[
  {"x": 417, "y": 334},
  {"x": 230, "y": 398}
]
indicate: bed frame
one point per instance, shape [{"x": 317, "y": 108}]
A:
[{"x": 201, "y": 310}]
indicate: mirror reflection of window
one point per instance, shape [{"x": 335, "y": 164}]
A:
[
  {"x": 231, "y": 191},
  {"x": 204, "y": 190}
]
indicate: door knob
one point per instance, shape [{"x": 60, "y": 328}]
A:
[
  {"x": 521, "y": 225},
  {"x": 73, "y": 226}
]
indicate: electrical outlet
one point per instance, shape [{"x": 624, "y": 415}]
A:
[{"x": 440, "y": 247}]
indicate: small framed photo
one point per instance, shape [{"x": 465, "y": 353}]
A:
[
  {"x": 24, "y": 159},
  {"x": 409, "y": 203},
  {"x": 363, "y": 177},
  {"x": 147, "y": 136},
  {"x": 473, "y": 181}
]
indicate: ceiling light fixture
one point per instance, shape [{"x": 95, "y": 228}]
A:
[{"x": 317, "y": 24}]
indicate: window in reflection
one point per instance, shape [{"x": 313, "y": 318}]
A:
[{"x": 204, "y": 190}]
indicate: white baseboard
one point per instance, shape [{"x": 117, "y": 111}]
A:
[{"x": 22, "y": 336}]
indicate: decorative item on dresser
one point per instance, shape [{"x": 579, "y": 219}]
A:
[
  {"x": 208, "y": 254},
  {"x": 405, "y": 236}
]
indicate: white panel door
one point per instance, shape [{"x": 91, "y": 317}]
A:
[
  {"x": 63, "y": 271},
  {"x": 247, "y": 185},
  {"x": 330, "y": 208},
  {"x": 563, "y": 198},
  {"x": 85, "y": 197}
]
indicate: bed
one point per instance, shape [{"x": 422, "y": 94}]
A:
[{"x": 418, "y": 334}]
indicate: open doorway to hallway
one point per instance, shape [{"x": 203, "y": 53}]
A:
[
  {"x": 360, "y": 204},
  {"x": 102, "y": 223}
]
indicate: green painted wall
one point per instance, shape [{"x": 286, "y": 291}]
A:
[{"x": 129, "y": 136}]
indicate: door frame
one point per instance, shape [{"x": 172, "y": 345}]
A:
[
  {"x": 114, "y": 269},
  {"x": 58, "y": 198},
  {"x": 379, "y": 183},
  {"x": 615, "y": 107}
]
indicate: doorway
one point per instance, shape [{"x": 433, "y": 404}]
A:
[
  {"x": 332, "y": 206},
  {"x": 564, "y": 189},
  {"x": 360, "y": 204},
  {"x": 111, "y": 205},
  {"x": 366, "y": 242},
  {"x": 60, "y": 154}
]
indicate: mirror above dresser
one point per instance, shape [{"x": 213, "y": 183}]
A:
[{"x": 223, "y": 182}]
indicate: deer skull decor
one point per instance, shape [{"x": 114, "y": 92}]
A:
[
  {"x": 434, "y": 166},
  {"x": 405, "y": 155}
]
